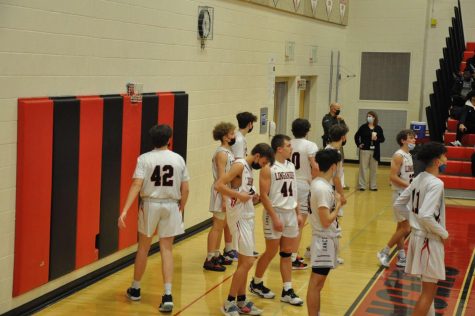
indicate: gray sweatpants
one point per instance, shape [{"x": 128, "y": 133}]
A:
[{"x": 367, "y": 161}]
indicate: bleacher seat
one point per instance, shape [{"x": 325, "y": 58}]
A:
[
  {"x": 460, "y": 153},
  {"x": 457, "y": 182},
  {"x": 471, "y": 46},
  {"x": 468, "y": 54},
  {"x": 467, "y": 139},
  {"x": 452, "y": 125},
  {"x": 449, "y": 137},
  {"x": 463, "y": 64},
  {"x": 461, "y": 168}
]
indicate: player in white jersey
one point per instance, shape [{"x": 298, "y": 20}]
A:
[
  {"x": 325, "y": 203},
  {"x": 400, "y": 176},
  {"x": 303, "y": 157},
  {"x": 423, "y": 203},
  {"x": 221, "y": 163},
  {"x": 240, "y": 217},
  {"x": 281, "y": 218},
  {"x": 161, "y": 178}
]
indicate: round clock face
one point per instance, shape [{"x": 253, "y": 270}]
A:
[{"x": 204, "y": 23}]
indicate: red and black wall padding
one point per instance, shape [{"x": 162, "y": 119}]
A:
[{"x": 76, "y": 158}]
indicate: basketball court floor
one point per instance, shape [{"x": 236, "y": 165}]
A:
[{"x": 358, "y": 287}]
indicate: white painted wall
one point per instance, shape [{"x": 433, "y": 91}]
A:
[{"x": 55, "y": 47}]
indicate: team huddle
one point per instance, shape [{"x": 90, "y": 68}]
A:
[{"x": 297, "y": 182}]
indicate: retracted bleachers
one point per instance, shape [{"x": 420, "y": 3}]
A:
[
  {"x": 76, "y": 157},
  {"x": 458, "y": 180}
]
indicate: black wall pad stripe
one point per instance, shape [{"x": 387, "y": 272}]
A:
[
  {"x": 180, "y": 124},
  {"x": 149, "y": 119},
  {"x": 110, "y": 178},
  {"x": 66, "y": 97},
  {"x": 64, "y": 187}
]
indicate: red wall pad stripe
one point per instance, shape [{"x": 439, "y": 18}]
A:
[
  {"x": 166, "y": 109},
  {"x": 89, "y": 182},
  {"x": 131, "y": 130},
  {"x": 33, "y": 194}
]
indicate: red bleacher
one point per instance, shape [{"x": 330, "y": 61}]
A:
[
  {"x": 449, "y": 136},
  {"x": 460, "y": 153},
  {"x": 471, "y": 46},
  {"x": 468, "y": 54}
]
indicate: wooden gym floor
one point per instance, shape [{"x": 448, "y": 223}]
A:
[{"x": 358, "y": 287}]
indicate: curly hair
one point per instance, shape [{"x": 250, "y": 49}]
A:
[{"x": 222, "y": 129}]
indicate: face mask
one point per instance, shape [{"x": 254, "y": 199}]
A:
[
  {"x": 411, "y": 146},
  {"x": 232, "y": 141},
  {"x": 343, "y": 143},
  {"x": 250, "y": 130},
  {"x": 337, "y": 112},
  {"x": 256, "y": 165},
  {"x": 370, "y": 119},
  {"x": 442, "y": 168}
]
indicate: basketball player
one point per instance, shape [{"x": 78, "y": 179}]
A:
[
  {"x": 239, "y": 148},
  {"x": 161, "y": 177},
  {"x": 303, "y": 157},
  {"x": 240, "y": 217},
  {"x": 423, "y": 203},
  {"x": 221, "y": 163},
  {"x": 325, "y": 203},
  {"x": 281, "y": 220},
  {"x": 400, "y": 176}
]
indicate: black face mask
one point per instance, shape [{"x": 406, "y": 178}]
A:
[
  {"x": 343, "y": 143},
  {"x": 232, "y": 141},
  {"x": 250, "y": 130},
  {"x": 256, "y": 165},
  {"x": 337, "y": 112}
]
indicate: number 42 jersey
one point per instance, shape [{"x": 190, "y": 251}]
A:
[{"x": 163, "y": 171}]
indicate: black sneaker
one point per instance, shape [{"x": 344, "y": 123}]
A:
[
  {"x": 213, "y": 265},
  {"x": 224, "y": 261},
  {"x": 290, "y": 297},
  {"x": 166, "y": 305},
  {"x": 260, "y": 290},
  {"x": 133, "y": 294},
  {"x": 298, "y": 265}
]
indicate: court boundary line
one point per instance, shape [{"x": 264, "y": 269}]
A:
[{"x": 467, "y": 285}]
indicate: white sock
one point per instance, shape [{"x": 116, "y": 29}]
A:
[
  {"x": 293, "y": 257},
  {"x": 135, "y": 284},
  {"x": 217, "y": 253},
  {"x": 257, "y": 280},
  {"x": 402, "y": 254},
  {"x": 228, "y": 246},
  {"x": 287, "y": 286},
  {"x": 210, "y": 255},
  {"x": 386, "y": 250},
  {"x": 168, "y": 288}
]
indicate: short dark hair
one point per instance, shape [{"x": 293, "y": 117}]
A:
[
  {"x": 373, "y": 114},
  {"x": 222, "y": 129},
  {"x": 278, "y": 141},
  {"x": 429, "y": 151},
  {"x": 160, "y": 135},
  {"x": 326, "y": 158},
  {"x": 264, "y": 150},
  {"x": 403, "y": 135},
  {"x": 300, "y": 127},
  {"x": 336, "y": 132},
  {"x": 245, "y": 118}
]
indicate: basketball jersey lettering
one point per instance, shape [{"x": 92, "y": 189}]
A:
[
  {"x": 415, "y": 208},
  {"x": 165, "y": 179},
  {"x": 296, "y": 160},
  {"x": 287, "y": 191}
]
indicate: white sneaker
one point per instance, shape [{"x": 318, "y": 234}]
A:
[
  {"x": 230, "y": 309},
  {"x": 383, "y": 258},
  {"x": 307, "y": 254},
  {"x": 290, "y": 297},
  {"x": 340, "y": 260},
  {"x": 401, "y": 262},
  {"x": 456, "y": 143}
]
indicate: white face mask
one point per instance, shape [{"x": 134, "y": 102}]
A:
[
  {"x": 411, "y": 146},
  {"x": 370, "y": 119}
]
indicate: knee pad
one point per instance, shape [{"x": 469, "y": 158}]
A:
[{"x": 285, "y": 254}]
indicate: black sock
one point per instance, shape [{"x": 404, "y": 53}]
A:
[
  {"x": 231, "y": 298},
  {"x": 241, "y": 298}
]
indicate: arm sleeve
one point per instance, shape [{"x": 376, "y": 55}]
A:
[
  {"x": 323, "y": 198},
  {"x": 432, "y": 202},
  {"x": 357, "y": 137},
  {"x": 381, "y": 138},
  {"x": 139, "y": 172},
  {"x": 312, "y": 149},
  {"x": 184, "y": 175},
  {"x": 463, "y": 117},
  {"x": 326, "y": 123}
]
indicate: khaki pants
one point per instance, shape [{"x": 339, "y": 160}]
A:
[{"x": 367, "y": 160}]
